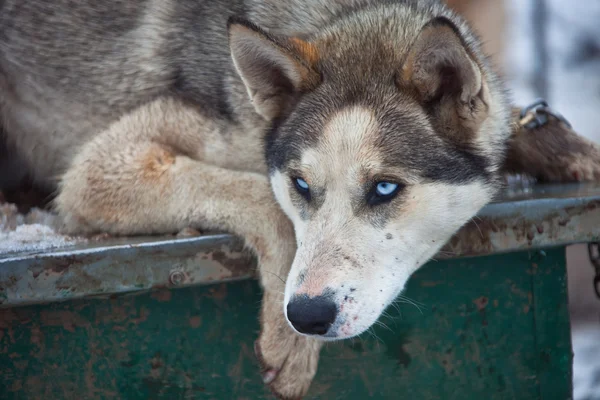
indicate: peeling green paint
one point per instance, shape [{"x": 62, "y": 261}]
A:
[{"x": 490, "y": 328}]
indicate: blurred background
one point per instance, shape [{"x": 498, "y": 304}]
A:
[{"x": 551, "y": 49}]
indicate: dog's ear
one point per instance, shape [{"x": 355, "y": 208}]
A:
[
  {"x": 274, "y": 70},
  {"x": 441, "y": 71}
]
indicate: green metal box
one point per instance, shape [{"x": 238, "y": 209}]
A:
[{"x": 490, "y": 319}]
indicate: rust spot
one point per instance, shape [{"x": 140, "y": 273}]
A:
[
  {"x": 563, "y": 222},
  {"x": 156, "y": 361},
  {"x": 63, "y": 264},
  {"x": 431, "y": 283},
  {"x": 36, "y": 271},
  {"x": 486, "y": 235},
  {"x": 403, "y": 357},
  {"x": 218, "y": 292},
  {"x": 160, "y": 286},
  {"x": 37, "y": 337},
  {"x": 238, "y": 266},
  {"x": 9, "y": 283},
  {"x": 67, "y": 319},
  {"x": 530, "y": 236},
  {"x": 163, "y": 295},
  {"x": 514, "y": 289},
  {"x": 481, "y": 303},
  {"x": 142, "y": 318},
  {"x": 17, "y": 386},
  {"x": 195, "y": 321},
  {"x": 446, "y": 360}
]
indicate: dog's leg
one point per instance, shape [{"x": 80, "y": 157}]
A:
[
  {"x": 128, "y": 181},
  {"x": 552, "y": 153},
  {"x": 289, "y": 361}
]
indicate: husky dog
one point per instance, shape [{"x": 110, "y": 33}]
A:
[{"x": 345, "y": 141}]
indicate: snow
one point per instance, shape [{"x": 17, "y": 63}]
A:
[{"x": 34, "y": 231}]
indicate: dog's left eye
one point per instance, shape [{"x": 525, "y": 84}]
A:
[
  {"x": 386, "y": 188},
  {"x": 383, "y": 192},
  {"x": 302, "y": 187},
  {"x": 301, "y": 183}
]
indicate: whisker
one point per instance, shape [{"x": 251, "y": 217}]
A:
[
  {"x": 379, "y": 323},
  {"x": 447, "y": 253},
  {"x": 273, "y": 273},
  {"x": 411, "y": 302},
  {"x": 479, "y": 229}
]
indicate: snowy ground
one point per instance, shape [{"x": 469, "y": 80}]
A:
[{"x": 33, "y": 231}]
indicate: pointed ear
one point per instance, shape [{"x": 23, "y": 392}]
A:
[
  {"x": 274, "y": 70},
  {"x": 441, "y": 71}
]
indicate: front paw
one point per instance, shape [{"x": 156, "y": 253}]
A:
[
  {"x": 288, "y": 360},
  {"x": 553, "y": 152},
  {"x": 583, "y": 167},
  {"x": 289, "y": 366}
]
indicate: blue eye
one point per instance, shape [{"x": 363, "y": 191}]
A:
[
  {"x": 302, "y": 187},
  {"x": 386, "y": 188},
  {"x": 301, "y": 184},
  {"x": 383, "y": 192}
]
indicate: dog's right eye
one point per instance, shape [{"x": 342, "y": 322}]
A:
[
  {"x": 383, "y": 192},
  {"x": 302, "y": 187}
]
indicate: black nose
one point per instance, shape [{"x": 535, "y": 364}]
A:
[{"x": 311, "y": 315}]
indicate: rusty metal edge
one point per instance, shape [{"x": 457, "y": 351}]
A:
[
  {"x": 139, "y": 264},
  {"x": 527, "y": 225},
  {"x": 108, "y": 270}
]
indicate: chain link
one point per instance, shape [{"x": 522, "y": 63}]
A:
[
  {"x": 538, "y": 114},
  {"x": 594, "y": 253}
]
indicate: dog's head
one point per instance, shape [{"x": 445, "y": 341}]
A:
[{"x": 388, "y": 131}]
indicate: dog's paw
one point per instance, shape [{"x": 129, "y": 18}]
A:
[
  {"x": 288, "y": 360},
  {"x": 583, "y": 168},
  {"x": 288, "y": 363},
  {"x": 553, "y": 153},
  {"x": 578, "y": 160},
  {"x": 71, "y": 225}
]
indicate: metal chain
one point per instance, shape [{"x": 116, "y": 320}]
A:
[
  {"x": 594, "y": 253},
  {"x": 537, "y": 114}
]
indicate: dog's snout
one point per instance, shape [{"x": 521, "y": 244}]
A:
[{"x": 311, "y": 315}]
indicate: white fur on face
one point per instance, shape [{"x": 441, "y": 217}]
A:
[{"x": 362, "y": 266}]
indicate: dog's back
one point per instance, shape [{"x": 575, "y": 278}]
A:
[{"x": 69, "y": 69}]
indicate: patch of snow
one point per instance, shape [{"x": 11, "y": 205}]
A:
[
  {"x": 34, "y": 231},
  {"x": 33, "y": 237},
  {"x": 586, "y": 371}
]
